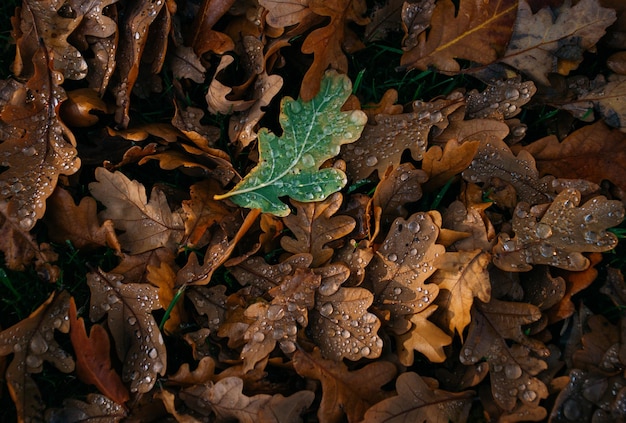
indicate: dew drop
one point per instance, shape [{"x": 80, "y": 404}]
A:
[
  {"x": 287, "y": 347},
  {"x": 413, "y": 226},
  {"x": 371, "y": 160},
  {"x": 29, "y": 151},
  {"x": 131, "y": 320},
  {"x": 392, "y": 257},
  {"x": 326, "y": 309},
  {"x": 365, "y": 351},
  {"x": 296, "y": 107},
  {"x": 152, "y": 353},
  {"x": 512, "y": 371},
  {"x": 529, "y": 395},
  {"x": 404, "y": 177},
  {"x": 397, "y": 290},
  {"x": 345, "y": 334},
  {"x": 543, "y": 231},
  {"x": 511, "y": 93},
  {"x": 258, "y": 337},
  {"x": 308, "y": 160}
]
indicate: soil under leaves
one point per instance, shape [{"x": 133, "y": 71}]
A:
[{"x": 274, "y": 211}]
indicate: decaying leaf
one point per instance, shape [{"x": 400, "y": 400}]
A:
[
  {"x": 313, "y": 131},
  {"x": 461, "y": 277},
  {"x": 78, "y": 223},
  {"x": 593, "y": 152},
  {"x": 314, "y": 226},
  {"x": 341, "y": 325},
  {"x": 31, "y": 341},
  {"x": 93, "y": 360},
  {"x": 512, "y": 369},
  {"x": 477, "y": 31},
  {"x": 277, "y": 321},
  {"x": 40, "y": 147},
  {"x": 495, "y": 160},
  {"x": 560, "y": 235},
  {"x": 96, "y": 408},
  {"x": 138, "y": 341},
  {"x": 501, "y": 100},
  {"x": 381, "y": 145},
  {"x": 148, "y": 225},
  {"x": 344, "y": 392},
  {"x": 418, "y": 401},
  {"x": 543, "y": 43}
]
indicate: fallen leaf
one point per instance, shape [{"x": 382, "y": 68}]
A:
[
  {"x": 416, "y": 18},
  {"x": 31, "y": 344},
  {"x": 500, "y": 100},
  {"x": 286, "y": 409},
  {"x": 164, "y": 277},
  {"x": 381, "y": 145},
  {"x": 78, "y": 224},
  {"x": 226, "y": 399},
  {"x": 148, "y": 225},
  {"x": 461, "y": 277},
  {"x": 417, "y": 401},
  {"x": 186, "y": 64},
  {"x": 138, "y": 340},
  {"x": 41, "y": 147},
  {"x": 168, "y": 399},
  {"x": 560, "y": 235},
  {"x": 593, "y": 152},
  {"x": 344, "y": 392},
  {"x": 477, "y": 31},
  {"x": 96, "y": 408},
  {"x": 93, "y": 361},
  {"x": 441, "y": 165},
  {"x": 543, "y": 41},
  {"x": 289, "y": 165},
  {"x": 314, "y": 226}
]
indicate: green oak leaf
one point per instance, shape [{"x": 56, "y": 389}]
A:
[{"x": 289, "y": 165}]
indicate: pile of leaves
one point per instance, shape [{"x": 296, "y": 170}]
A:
[{"x": 311, "y": 249}]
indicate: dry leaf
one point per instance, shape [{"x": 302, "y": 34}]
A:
[
  {"x": 40, "y": 148},
  {"x": 286, "y": 409},
  {"x": 344, "y": 392},
  {"x": 148, "y": 225},
  {"x": 341, "y": 325},
  {"x": 326, "y": 43},
  {"x": 441, "y": 165},
  {"x": 381, "y": 145},
  {"x": 168, "y": 399},
  {"x": 416, "y": 18},
  {"x": 593, "y": 152},
  {"x": 560, "y": 235},
  {"x": 477, "y": 31},
  {"x": 461, "y": 277},
  {"x": 93, "y": 360},
  {"x": 164, "y": 277},
  {"x": 31, "y": 341},
  {"x": 501, "y": 100},
  {"x": 314, "y": 226},
  {"x": 78, "y": 224},
  {"x": 555, "y": 40},
  {"x": 417, "y": 401},
  {"x": 138, "y": 340},
  {"x": 97, "y": 408}
]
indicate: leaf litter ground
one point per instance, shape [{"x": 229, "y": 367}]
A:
[{"x": 265, "y": 211}]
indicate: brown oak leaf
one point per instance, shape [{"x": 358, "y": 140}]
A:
[
  {"x": 381, "y": 145},
  {"x": 341, "y": 325},
  {"x": 325, "y": 43},
  {"x": 78, "y": 223},
  {"x": 559, "y": 236},
  {"x": 477, "y": 31},
  {"x": 96, "y": 408},
  {"x": 512, "y": 369},
  {"x": 314, "y": 226},
  {"x": 443, "y": 164},
  {"x": 40, "y": 147},
  {"x": 164, "y": 277},
  {"x": 138, "y": 340},
  {"x": 501, "y": 100},
  {"x": 148, "y": 225},
  {"x": 461, "y": 277},
  {"x": 344, "y": 392},
  {"x": 31, "y": 344},
  {"x": 495, "y": 159},
  {"x": 93, "y": 361},
  {"x": 594, "y": 152},
  {"x": 554, "y": 40},
  {"x": 169, "y": 399},
  {"x": 417, "y": 400}
]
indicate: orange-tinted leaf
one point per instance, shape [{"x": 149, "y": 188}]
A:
[
  {"x": 416, "y": 401},
  {"x": 78, "y": 224},
  {"x": 594, "y": 152},
  {"x": 93, "y": 361},
  {"x": 423, "y": 336},
  {"x": 148, "y": 225},
  {"x": 164, "y": 277},
  {"x": 201, "y": 212},
  {"x": 442, "y": 164},
  {"x": 344, "y": 392},
  {"x": 31, "y": 341},
  {"x": 168, "y": 399},
  {"x": 559, "y": 236},
  {"x": 40, "y": 147},
  {"x": 478, "y": 31},
  {"x": 381, "y": 145},
  {"x": 461, "y": 277},
  {"x": 314, "y": 226},
  {"x": 138, "y": 340}
]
